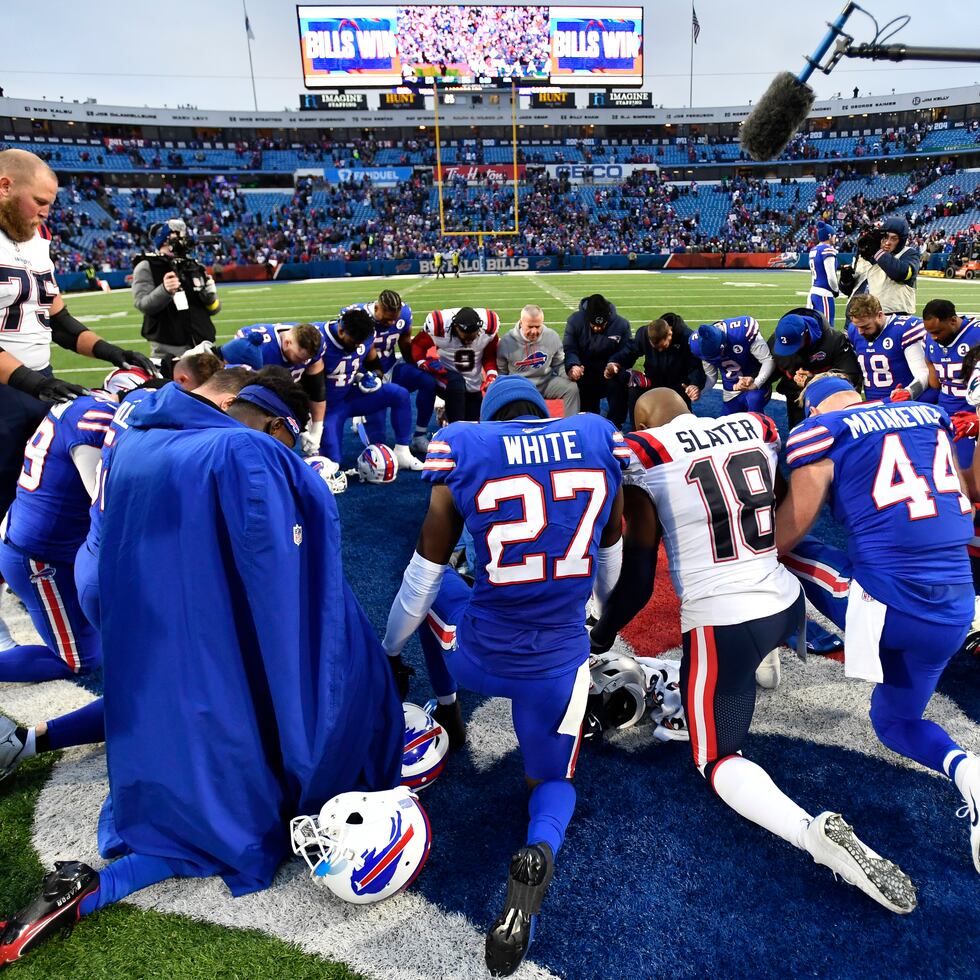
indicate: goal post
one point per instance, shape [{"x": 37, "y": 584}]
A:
[{"x": 480, "y": 233}]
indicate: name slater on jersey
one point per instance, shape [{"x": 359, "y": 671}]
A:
[
  {"x": 546, "y": 447},
  {"x": 897, "y": 417},
  {"x": 723, "y": 434}
]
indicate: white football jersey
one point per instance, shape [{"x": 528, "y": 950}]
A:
[
  {"x": 465, "y": 358},
  {"x": 27, "y": 290},
  {"x": 711, "y": 481}
]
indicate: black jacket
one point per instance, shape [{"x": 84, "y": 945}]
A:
[
  {"x": 831, "y": 351},
  {"x": 674, "y": 367},
  {"x": 594, "y": 350}
]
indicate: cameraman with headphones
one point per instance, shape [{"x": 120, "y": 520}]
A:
[
  {"x": 174, "y": 293},
  {"x": 886, "y": 267}
]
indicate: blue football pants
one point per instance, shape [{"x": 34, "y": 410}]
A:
[
  {"x": 411, "y": 378},
  {"x": 341, "y": 407}
]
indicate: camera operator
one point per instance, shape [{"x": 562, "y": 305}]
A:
[
  {"x": 886, "y": 267},
  {"x": 174, "y": 293}
]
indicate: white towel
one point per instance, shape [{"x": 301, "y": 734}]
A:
[
  {"x": 571, "y": 723},
  {"x": 862, "y": 634}
]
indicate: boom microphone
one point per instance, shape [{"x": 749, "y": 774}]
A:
[{"x": 786, "y": 103}]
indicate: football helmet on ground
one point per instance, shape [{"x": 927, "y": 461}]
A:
[
  {"x": 426, "y": 746},
  {"x": 365, "y": 847},
  {"x": 377, "y": 464},
  {"x": 328, "y": 471}
]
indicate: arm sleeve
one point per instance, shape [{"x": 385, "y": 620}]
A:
[
  {"x": 760, "y": 351},
  {"x": 489, "y": 359},
  {"x": 710, "y": 375},
  {"x": 419, "y": 588},
  {"x": 915, "y": 357},
  {"x": 87, "y": 460},
  {"x": 608, "y": 568},
  {"x": 315, "y": 386},
  {"x": 830, "y": 269},
  {"x": 631, "y": 594},
  {"x": 148, "y": 298},
  {"x": 65, "y": 329},
  {"x": 901, "y": 269},
  {"x": 570, "y": 345}
]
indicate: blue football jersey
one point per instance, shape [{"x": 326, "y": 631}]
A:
[
  {"x": 535, "y": 494},
  {"x": 117, "y": 426},
  {"x": 948, "y": 362},
  {"x": 736, "y": 360},
  {"x": 49, "y": 516},
  {"x": 896, "y": 491},
  {"x": 271, "y": 349},
  {"x": 823, "y": 269},
  {"x": 386, "y": 337},
  {"x": 340, "y": 365},
  {"x": 882, "y": 360}
]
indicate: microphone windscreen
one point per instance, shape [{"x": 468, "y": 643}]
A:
[{"x": 777, "y": 116}]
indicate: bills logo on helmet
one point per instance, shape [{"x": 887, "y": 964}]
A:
[
  {"x": 426, "y": 746},
  {"x": 377, "y": 464},
  {"x": 380, "y": 865}
]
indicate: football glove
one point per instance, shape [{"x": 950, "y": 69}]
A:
[
  {"x": 105, "y": 351},
  {"x": 966, "y": 425},
  {"x": 432, "y": 365},
  {"x": 637, "y": 379},
  {"x": 310, "y": 439},
  {"x": 42, "y": 387},
  {"x": 900, "y": 394},
  {"x": 403, "y": 675},
  {"x": 491, "y": 376},
  {"x": 369, "y": 382}
]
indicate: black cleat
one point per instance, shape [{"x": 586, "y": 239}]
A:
[
  {"x": 510, "y": 936},
  {"x": 54, "y": 910},
  {"x": 403, "y": 675},
  {"x": 450, "y": 717}
]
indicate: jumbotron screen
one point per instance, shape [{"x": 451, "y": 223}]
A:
[{"x": 383, "y": 46}]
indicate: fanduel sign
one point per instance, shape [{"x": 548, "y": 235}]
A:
[{"x": 377, "y": 175}]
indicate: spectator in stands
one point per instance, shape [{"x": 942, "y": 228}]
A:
[
  {"x": 594, "y": 333},
  {"x": 535, "y": 352},
  {"x": 665, "y": 346},
  {"x": 177, "y": 302}
]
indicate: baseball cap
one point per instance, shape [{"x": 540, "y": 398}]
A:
[{"x": 792, "y": 332}]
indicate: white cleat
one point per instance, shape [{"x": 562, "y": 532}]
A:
[
  {"x": 355, "y": 421},
  {"x": 11, "y": 748},
  {"x": 971, "y": 806},
  {"x": 7, "y": 642},
  {"x": 405, "y": 459},
  {"x": 833, "y": 843},
  {"x": 768, "y": 673}
]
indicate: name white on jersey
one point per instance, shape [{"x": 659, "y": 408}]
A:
[
  {"x": 711, "y": 481},
  {"x": 27, "y": 290}
]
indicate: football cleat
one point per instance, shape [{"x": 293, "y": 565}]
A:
[
  {"x": 450, "y": 717},
  {"x": 971, "y": 806},
  {"x": 768, "y": 672},
  {"x": 420, "y": 445},
  {"x": 833, "y": 843},
  {"x": 531, "y": 869},
  {"x": 406, "y": 461},
  {"x": 11, "y": 748},
  {"x": 403, "y": 675},
  {"x": 54, "y": 910}
]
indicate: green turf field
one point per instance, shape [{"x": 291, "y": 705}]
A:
[{"x": 698, "y": 297}]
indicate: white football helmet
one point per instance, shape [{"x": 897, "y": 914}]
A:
[
  {"x": 377, "y": 464},
  {"x": 328, "y": 471},
  {"x": 426, "y": 746},
  {"x": 365, "y": 847},
  {"x": 973, "y": 388},
  {"x": 622, "y": 684},
  {"x": 122, "y": 380}
]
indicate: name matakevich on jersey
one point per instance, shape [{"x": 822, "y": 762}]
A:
[{"x": 27, "y": 290}]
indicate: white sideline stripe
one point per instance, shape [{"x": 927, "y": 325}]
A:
[{"x": 377, "y": 940}]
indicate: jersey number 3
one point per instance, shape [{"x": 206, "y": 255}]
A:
[{"x": 576, "y": 562}]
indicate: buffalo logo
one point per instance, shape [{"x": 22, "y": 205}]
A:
[
  {"x": 818, "y": 356},
  {"x": 380, "y": 865},
  {"x": 785, "y": 260},
  {"x": 536, "y": 360}
]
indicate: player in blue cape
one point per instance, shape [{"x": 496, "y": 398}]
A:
[
  {"x": 259, "y": 634},
  {"x": 735, "y": 349},
  {"x": 542, "y": 500},
  {"x": 889, "y": 474}
]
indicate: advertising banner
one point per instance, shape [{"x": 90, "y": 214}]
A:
[{"x": 383, "y": 176}]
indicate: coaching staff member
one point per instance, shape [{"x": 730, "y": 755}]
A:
[{"x": 33, "y": 314}]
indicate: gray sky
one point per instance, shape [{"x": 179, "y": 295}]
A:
[{"x": 185, "y": 52}]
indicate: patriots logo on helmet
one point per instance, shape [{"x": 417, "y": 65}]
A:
[{"x": 538, "y": 359}]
